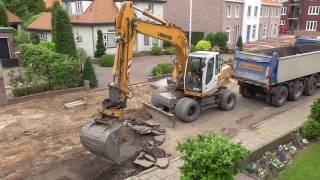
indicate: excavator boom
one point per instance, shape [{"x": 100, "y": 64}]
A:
[{"x": 101, "y": 137}]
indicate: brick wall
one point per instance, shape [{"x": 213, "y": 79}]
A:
[
  {"x": 233, "y": 22},
  {"x": 304, "y": 14},
  {"x": 3, "y": 98}
]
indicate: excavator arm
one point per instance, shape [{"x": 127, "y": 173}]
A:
[{"x": 101, "y": 137}]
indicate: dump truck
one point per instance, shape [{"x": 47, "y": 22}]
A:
[{"x": 281, "y": 74}]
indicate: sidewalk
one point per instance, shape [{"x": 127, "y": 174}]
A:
[{"x": 257, "y": 136}]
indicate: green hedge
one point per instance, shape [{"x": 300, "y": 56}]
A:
[
  {"x": 209, "y": 156},
  {"x": 170, "y": 51},
  {"x": 60, "y": 70},
  {"x": 89, "y": 73},
  {"x": 156, "y": 50},
  {"x": 162, "y": 69},
  {"x": 107, "y": 60},
  {"x": 310, "y": 129}
]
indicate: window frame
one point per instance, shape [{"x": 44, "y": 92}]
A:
[
  {"x": 229, "y": 11},
  {"x": 311, "y": 25}
]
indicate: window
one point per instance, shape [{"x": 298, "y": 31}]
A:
[
  {"x": 313, "y": 10},
  {"x": 150, "y": 8},
  {"x": 266, "y": 12},
  {"x": 210, "y": 69},
  {"x": 42, "y": 36},
  {"x": 264, "y": 32},
  {"x": 311, "y": 25},
  {"x": 229, "y": 8},
  {"x": 275, "y": 29},
  {"x": 237, "y": 12},
  {"x": 282, "y": 22},
  {"x": 67, "y": 6},
  {"x": 78, "y": 7},
  {"x": 228, "y": 29},
  {"x": 154, "y": 41},
  {"x": 284, "y": 11},
  {"x": 110, "y": 39},
  {"x": 77, "y": 37},
  {"x": 254, "y": 29},
  {"x": 237, "y": 33},
  {"x": 249, "y": 11},
  {"x": 256, "y": 11},
  {"x": 146, "y": 40}
]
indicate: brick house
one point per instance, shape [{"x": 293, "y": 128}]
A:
[
  {"x": 269, "y": 19},
  {"x": 302, "y": 16},
  {"x": 89, "y": 16},
  {"x": 208, "y": 16}
]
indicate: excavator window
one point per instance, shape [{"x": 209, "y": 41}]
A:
[
  {"x": 194, "y": 74},
  {"x": 210, "y": 69}
]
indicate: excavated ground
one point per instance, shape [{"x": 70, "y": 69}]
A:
[{"x": 40, "y": 139}]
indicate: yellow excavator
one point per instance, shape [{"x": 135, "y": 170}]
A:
[{"x": 197, "y": 83}]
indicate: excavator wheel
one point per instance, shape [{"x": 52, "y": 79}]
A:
[
  {"x": 187, "y": 109},
  {"x": 102, "y": 139}
]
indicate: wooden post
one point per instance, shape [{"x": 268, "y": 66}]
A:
[{"x": 3, "y": 96}]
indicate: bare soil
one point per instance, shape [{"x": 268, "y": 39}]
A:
[{"x": 40, "y": 139}]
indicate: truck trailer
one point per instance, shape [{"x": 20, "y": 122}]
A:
[{"x": 280, "y": 74}]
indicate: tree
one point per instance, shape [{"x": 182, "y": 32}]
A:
[
  {"x": 62, "y": 30},
  {"x": 239, "y": 43},
  {"x": 25, "y": 8},
  {"x": 219, "y": 39},
  {"x": 101, "y": 49},
  {"x": 54, "y": 8},
  {"x": 3, "y": 15},
  {"x": 89, "y": 74}
]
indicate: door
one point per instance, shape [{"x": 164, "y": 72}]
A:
[
  {"x": 4, "y": 49},
  {"x": 248, "y": 33},
  {"x": 237, "y": 33},
  {"x": 209, "y": 77}
]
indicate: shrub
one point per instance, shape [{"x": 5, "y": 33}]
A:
[
  {"x": 101, "y": 49},
  {"x": 162, "y": 68},
  {"x": 203, "y": 45},
  {"x": 310, "y": 129},
  {"x": 315, "y": 110},
  {"x": 46, "y": 45},
  {"x": 21, "y": 37},
  {"x": 156, "y": 50},
  {"x": 209, "y": 156},
  {"x": 34, "y": 38},
  {"x": 107, "y": 60},
  {"x": 61, "y": 70},
  {"x": 167, "y": 44},
  {"x": 219, "y": 39},
  {"x": 193, "y": 48},
  {"x": 170, "y": 51},
  {"x": 240, "y": 43},
  {"x": 89, "y": 74}
]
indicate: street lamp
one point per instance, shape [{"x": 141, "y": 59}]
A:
[{"x": 190, "y": 21}]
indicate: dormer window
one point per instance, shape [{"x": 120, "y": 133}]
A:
[{"x": 79, "y": 8}]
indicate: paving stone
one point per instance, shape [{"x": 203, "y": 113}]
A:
[
  {"x": 160, "y": 139},
  {"x": 158, "y": 152},
  {"x": 143, "y": 163},
  {"x": 142, "y": 129},
  {"x": 151, "y": 123},
  {"x": 149, "y": 157},
  {"x": 162, "y": 163}
]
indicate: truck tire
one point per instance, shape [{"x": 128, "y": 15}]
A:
[
  {"x": 311, "y": 86},
  {"x": 154, "y": 101},
  {"x": 248, "y": 92},
  {"x": 280, "y": 97},
  {"x": 228, "y": 100},
  {"x": 187, "y": 109},
  {"x": 297, "y": 91},
  {"x": 268, "y": 99}
]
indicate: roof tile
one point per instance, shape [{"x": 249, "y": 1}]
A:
[{"x": 12, "y": 18}]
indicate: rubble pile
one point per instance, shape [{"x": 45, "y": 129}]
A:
[{"x": 151, "y": 154}]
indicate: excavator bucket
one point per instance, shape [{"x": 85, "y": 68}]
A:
[{"x": 102, "y": 139}]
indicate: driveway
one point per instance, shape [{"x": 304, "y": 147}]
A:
[{"x": 141, "y": 69}]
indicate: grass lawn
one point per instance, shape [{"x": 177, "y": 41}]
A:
[{"x": 305, "y": 167}]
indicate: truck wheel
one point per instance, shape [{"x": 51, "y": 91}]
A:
[
  {"x": 311, "y": 86},
  {"x": 228, "y": 100},
  {"x": 248, "y": 92},
  {"x": 154, "y": 101},
  {"x": 280, "y": 97},
  {"x": 296, "y": 92},
  {"x": 187, "y": 109},
  {"x": 268, "y": 99}
]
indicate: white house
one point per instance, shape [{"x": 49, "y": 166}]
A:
[
  {"x": 89, "y": 16},
  {"x": 251, "y": 20}
]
